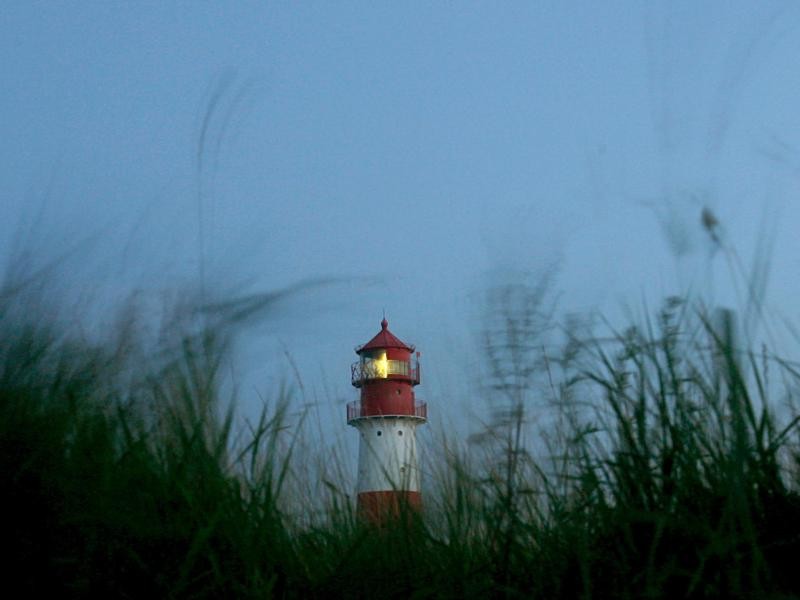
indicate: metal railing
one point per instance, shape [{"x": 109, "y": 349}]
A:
[
  {"x": 365, "y": 370},
  {"x": 355, "y": 411}
]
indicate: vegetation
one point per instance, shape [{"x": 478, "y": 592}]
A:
[{"x": 669, "y": 471}]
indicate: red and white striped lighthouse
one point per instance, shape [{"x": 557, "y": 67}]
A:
[{"x": 386, "y": 416}]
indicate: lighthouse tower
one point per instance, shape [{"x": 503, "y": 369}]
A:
[{"x": 386, "y": 416}]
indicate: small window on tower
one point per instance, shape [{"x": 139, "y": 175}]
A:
[
  {"x": 398, "y": 391},
  {"x": 380, "y": 433},
  {"x": 400, "y": 432}
]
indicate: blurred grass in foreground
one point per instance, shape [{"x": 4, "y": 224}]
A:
[{"x": 669, "y": 475}]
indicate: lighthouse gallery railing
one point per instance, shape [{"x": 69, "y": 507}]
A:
[
  {"x": 355, "y": 410},
  {"x": 364, "y": 370}
]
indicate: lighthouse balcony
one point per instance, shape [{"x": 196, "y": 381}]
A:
[
  {"x": 356, "y": 410},
  {"x": 370, "y": 369}
]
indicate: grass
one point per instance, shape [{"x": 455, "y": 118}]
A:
[{"x": 669, "y": 473}]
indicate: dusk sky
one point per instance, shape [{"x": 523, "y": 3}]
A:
[{"x": 413, "y": 154}]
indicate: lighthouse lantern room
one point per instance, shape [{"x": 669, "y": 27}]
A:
[{"x": 386, "y": 416}]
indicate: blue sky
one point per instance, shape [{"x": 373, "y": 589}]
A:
[{"x": 416, "y": 154}]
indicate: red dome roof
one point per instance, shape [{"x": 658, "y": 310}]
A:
[{"x": 384, "y": 339}]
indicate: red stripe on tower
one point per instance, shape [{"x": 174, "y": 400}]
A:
[{"x": 386, "y": 416}]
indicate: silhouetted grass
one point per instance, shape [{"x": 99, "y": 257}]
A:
[{"x": 668, "y": 474}]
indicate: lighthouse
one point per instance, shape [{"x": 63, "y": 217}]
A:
[{"x": 386, "y": 416}]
